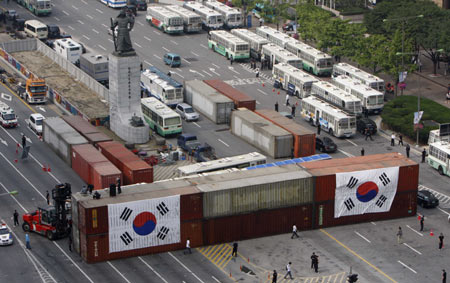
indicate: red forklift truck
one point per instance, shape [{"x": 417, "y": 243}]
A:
[{"x": 52, "y": 221}]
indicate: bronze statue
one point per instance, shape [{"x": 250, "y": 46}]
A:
[{"x": 122, "y": 41}]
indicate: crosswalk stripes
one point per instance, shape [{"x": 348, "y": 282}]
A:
[
  {"x": 262, "y": 75},
  {"x": 340, "y": 277},
  {"x": 443, "y": 198},
  {"x": 219, "y": 255}
]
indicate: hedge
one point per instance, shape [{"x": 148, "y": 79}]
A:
[{"x": 398, "y": 115}]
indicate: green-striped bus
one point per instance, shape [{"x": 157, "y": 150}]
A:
[
  {"x": 228, "y": 45},
  {"x": 160, "y": 117},
  {"x": 439, "y": 157}
]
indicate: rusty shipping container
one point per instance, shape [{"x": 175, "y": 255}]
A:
[
  {"x": 92, "y": 220},
  {"x": 133, "y": 168},
  {"x": 95, "y": 138},
  {"x": 304, "y": 139},
  {"x": 239, "y": 98},
  {"x": 261, "y": 133},
  {"x": 79, "y": 124},
  {"x": 257, "y": 224},
  {"x": 83, "y": 158},
  {"x": 324, "y": 172},
  {"x": 104, "y": 174},
  {"x": 404, "y": 205}
]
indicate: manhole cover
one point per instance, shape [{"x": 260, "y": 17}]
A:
[{"x": 191, "y": 59}]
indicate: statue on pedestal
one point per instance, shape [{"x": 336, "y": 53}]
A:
[{"x": 121, "y": 27}]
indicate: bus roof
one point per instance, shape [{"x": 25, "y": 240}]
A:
[
  {"x": 327, "y": 107},
  {"x": 36, "y": 23},
  {"x": 357, "y": 72},
  {"x": 442, "y": 145},
  {"x": 229, "y": 36},
  {"x": 283, "y": 53},
  {"x": 163, "y": 11},
  {"x": 68, "y": 42},
  {"x": 183, "y": 12},
  {"x": 356, "y": 85},
  {"x": 222, "y": 8},
  {"x": 165, "y": 77},
  {"x": 199, "y": 8},
  {"x": 268, "y": 31},
  {"x": 331, "y": 88},
  {"x": 249, "y": 36},
  {"x": 308, "y": 49},
  {"x": 296, "y": 72},
  {"x": 159, "y": 107}
]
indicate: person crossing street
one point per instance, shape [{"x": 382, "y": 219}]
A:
[
  {"x": 288, "y": 269},
  {"x": 16, "y": 218},
  {"x": 294, "y": 232}
]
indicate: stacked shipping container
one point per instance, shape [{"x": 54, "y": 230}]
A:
[
  {"x": 87, "y": 130},
  {"x": 239, "y": 98}
]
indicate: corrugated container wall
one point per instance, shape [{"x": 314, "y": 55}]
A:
[
  {"x": 261, "y": 133},
  {"x": 208, "y": 101},
  {"x": 105, "y": 174},
  {"x": 84, "y": 156},
  {"x": 86, "y": 129},
  {"x": 239, "y": 98},
  {"x": 61, "y": 137},
  {"x": 304, "y": 139},
  {"x": 93, "y": 220}
]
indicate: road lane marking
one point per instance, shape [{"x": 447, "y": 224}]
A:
[
  {"x": 109, "y": 39},
  {"x": 236, "y": 77},
  {"x": 123, "y": 276},
  {"x": 137, "y": 44},
  {"x": 141, "y": 24},
  {"x": 215, "y": 66},
  {"x": 203, "y": 46},
  {"x": 351, "y": 142},
  {"x": 357, "y": 255},
  {"x": 174, "y": 42},
  {"x": 154, "y": 271},
  {"x": 223, "y": 142},
  {"x": 157, "y": 56},
  {"x": 444, "y": 211},
  {"x": 3, "y": 142},
  {"x": 186, "y": 61},
  {"x": 207, "y": 73},
  {"x": 89, "y": 16},
  {"x": 367, "y": 240},
  {"x": 86, "y": 37},
  {"x": 195, "y": 123},
  {"x": 6, "y": 96},
  {"x": 373, "y": 223},
  {"x": 84, "y": 2},
  {"x": 257, "y": 102},
  {"x": 436, "y": 193},
  {"x": 101, "y": 47},
  {"x": 96, "y": 31},
  {"x": 233, "y": 70},
  {"x": 147, "y": 38},
  {"x": 261, "y": 91},
  {"x": 407, "y": 266},
  {"x": 67, "y": 14},
  {"x": 148, "y": 63},
  {"x": 166, "y": 49},
  {"x": 157, "y": 32},
  {"x": 195, "y": 54},
  {"x": 346, "y": 153},
  {"x": 412, "y": 248},
  {"x": 100, "y": 11},
  {"x": 420, "y": 234},
  {"x": 193, "y": 274},
  {"x": 57, "y": 19},
  {"x": 217, "y": 280},
  {"x": 74, "y": 7},
  {"x": 80, "y": 22},
  {"x": 71, "y": 27},
  {"x": 106, "y": 26}
]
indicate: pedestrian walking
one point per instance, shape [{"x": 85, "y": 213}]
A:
[
  {"x": 408, "y": 148},
  {"x": 16, "y": 218},
  {"x": 70, "y": 241},
  {"x": 400, "y": 139},
  {"x": 441, "y": 241},
  {"x": 27, "y": 241},
  {"x": 24, "y": 141},
  {"x": 399, "y": 235},
  {"x": 231, "y": 60},
  {"x": 235, "y": 247},
  {"x": 287, "y": 100},
  {"x": 368, "y": 134},
  {"x": 288, "y": 269},
  {"x": 169, "y": 73},
  {"x": 444, "y": 276},
  {"x": 293, "y": 111},
  {"x": 276, "y": 106},
  {"x": 421, "y": 222},
  {"x": 318, "y": 129},
  {"x": 315, "y": 262},
  {"x": 362, "y": 151},
  {"x": 294, "y": 232},
  {"x": 47, "y": 196},
  {"x": 188, "y": 247},
  {"x": 257, "y": 73},
  {"x": 393, "y": 140},
  {"x": 424, "y": 154},
  {"x": 274, "y": 276}
]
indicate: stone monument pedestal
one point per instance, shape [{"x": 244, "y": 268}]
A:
[{"x": 125, "y": 99}]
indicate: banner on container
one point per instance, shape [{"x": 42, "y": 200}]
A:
[
  {"x": 144, "y": 223},
  {"x": 365, "y": 191}
]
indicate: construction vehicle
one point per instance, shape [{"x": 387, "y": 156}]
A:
[
  {"x": 35, "y": 91},
  {"x": 190, "y": 144},
  {"x": 52, "y": 222},
  {"x": 8, "y": 118}
]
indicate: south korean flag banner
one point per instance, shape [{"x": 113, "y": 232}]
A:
[
  {"x": 365, "y": 191},
  {"x": 144, "y": 223}
]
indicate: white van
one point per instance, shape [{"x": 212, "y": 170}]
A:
[
  {"x": 69, "y": 49},
  {"x": 36, "y": 29}
]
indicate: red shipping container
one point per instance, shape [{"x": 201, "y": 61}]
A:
[
  {"x": 239, "y": 98},
  {"x": 93, "y": 220},
  {"x": 191, "y": 205},
  {"x": 83, "y": 158},
  {"x": 95, "y": 138},
  {"x": 79, "y": 124},
  {"x": 304, "y": 139},
  {"x": 104, "y": 174}
]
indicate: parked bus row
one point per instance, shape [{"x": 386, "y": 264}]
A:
[
  {"x": 37, "y": 7},
  {"x": 228, "y": 45},
  {"x": 159, "y": 85}
]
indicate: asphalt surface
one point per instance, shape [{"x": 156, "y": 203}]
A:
[{"x": 374, "y": 244}]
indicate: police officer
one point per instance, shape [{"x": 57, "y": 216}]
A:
[
  {"x": 424, "y": 154},
  {"x": 408, "y": 148}
]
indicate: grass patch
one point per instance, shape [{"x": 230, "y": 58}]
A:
[{"x": 398, "y": 114}]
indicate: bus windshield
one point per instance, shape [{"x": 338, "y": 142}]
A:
[{"x": 172, "y": 121}]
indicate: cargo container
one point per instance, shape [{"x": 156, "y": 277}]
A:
[
  {"x": 208, "y": 101},
  {"x": 86, "y": 129},
  {"x": 84, "y": 156},
  {"x": 261, "y": 133},
  {"x": 92, "y": 220},
  {"x": 134, "y": 169},
  {"x": 239, "y": 98},
  {"x": 95, "y": 138},
  {"x": 324, "y": 172},
  {"x": 60, "y": 136},
  {"x": 304, "y": 139},
  {"x": 104, "y": 174}
]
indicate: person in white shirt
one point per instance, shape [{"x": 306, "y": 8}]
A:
[
  {"x": 288, "y": 268},
  {"x": 393, "y": 140},
  {"x": 188, "y": 247},
  {"x": 294, "y": 232}
]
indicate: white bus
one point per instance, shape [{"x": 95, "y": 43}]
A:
[
  {"x": 314, "y": 61},
  {"x": 294, "y": 81},
  {"x": 232, "y": 18},
  {"x": 239, "y": 162},
  {"x": 358, "y": 74},
  {"x": 256, "y": 42},
  {"x": 337, "y": 96},
  {"x": 335, "y": 121},
  {"x": 439, "y": 157},
  {"x": 274, "y": 36},
  {"x": 35, "y": 28},
  {"x": 157, "y": 84},
  {"x": 372, "y": 100},
  {"x": 228, "y": 45},
  {"x": 211, "y": 19},
  {"x": 164, "y": 19},
  {"x": 160, "y": 117},
  {"x": 192, "y": 22},
  {"x": 69, "y": 49},
  {"x": 115, "y": 3},
  {"x": 275, "y": 54}
]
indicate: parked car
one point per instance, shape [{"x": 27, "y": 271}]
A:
[
  {"x": 366, "y": 123},
  {"x": 11, "y": 14},
  {"x": 187, "y": 112},
  {"x": 172, "y": 59},
  {"x": 6, "y": 237},
  {"x": 53, "y": 31},
  {"x": 426, "y": 199},
  {"x": 141, "y": 5},
  {"x": 35, "y": 122},
  {"x": 325, "y": 144}
]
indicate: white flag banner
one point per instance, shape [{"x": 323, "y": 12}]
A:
[
  {"x": 144, "y": 223},
  {"x": 365, "y": 191}
]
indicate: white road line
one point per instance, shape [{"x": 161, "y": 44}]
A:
[
  {"x": 157, "y": 32},
  {"x": 101, "y": 47},
  {"x": 236, "y": 77},
  {"x": 223, "y": 142},
  {"x": 207, "y": 73},
  {"x": 137, "y": 44},
  {"x": 86, "y": 37},
  {"x": 74, "y": 7},
  {"x": 367, "y": 240},
  {"x": 141, "y": 24},
  {"x": 373, "y": 223},
  {"x": 193, "y": 274},
  {"x": 100, "y": 11},
  {"x": 406, "y": 266},
  {"x": 71, "y": 27},
  {"x": 80, "y": 22},
  {"x": 261, "y": 91},
  {"x": 418, "y": 233},
  {"x": 444, "y": 211},
  {"x": 257, "y": 102},
  {"x": 412, "y": 248},
  {"x": 177, "y": 74},
  {"x": 186, "y": 61},
  {"x": 89, "y": 16},
  {"x": 233, "y": 70},
  {"x": 195, "y": 54},
  {"x": 57, "y": 19},
  {"x": 166, "y": 49},
  {"x": 174, "y": 42},
  {"x": 154, "y": 271},
  {"x": 84, "y": 2},
  {"x": 157, "y": 56},
  {"x": 21, "y": 206},
  {"x": 123, "y": 276},
  {"x": 148, "y": 63},
  {"x": 106, "y": 26},
  {"x": 217, "y": 280},
  {"x": 215, "y": 66},
  {"x": 203, "y": 46},
  {"x": 351, "y": 142},
  {"x": 147, "y": 38},
  {"x": 96, "y": 31},
  {"x": 109, "y": 39},
  {"x": 346, "y": 153},
  {"x": 67, "y": 14},
  {"x": 196, "y": 124}
]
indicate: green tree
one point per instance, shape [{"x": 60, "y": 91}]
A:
[{"x": 371, "y": 52}]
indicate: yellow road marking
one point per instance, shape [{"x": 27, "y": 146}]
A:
[
  {"x": 218, "y": 253},
  {"x": 23, "y": 101},
  {"x": 357, "y": 255},
  {"x": 226, "y": 255},
  {"x": 212, "y": 249},
  {"x": 226, "y": 263}
]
